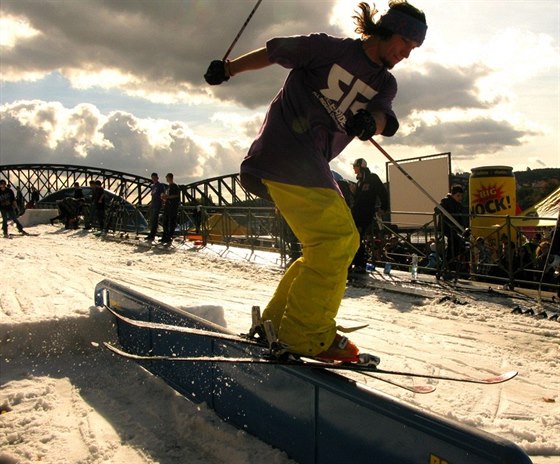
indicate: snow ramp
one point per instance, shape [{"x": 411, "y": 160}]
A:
[{"x": 316, "y": 416}]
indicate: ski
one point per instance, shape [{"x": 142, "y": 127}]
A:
[
  {"x": 311, "y": 363},
  {"x": 422, "y": 389},
  {"x": 178, "y": 328}
]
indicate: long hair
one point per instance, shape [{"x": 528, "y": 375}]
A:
[{"x": 366, "y": 26}]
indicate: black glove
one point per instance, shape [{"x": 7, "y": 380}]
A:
[
  {"x": 216, "y": 73},
  {"x": 361, "y": 125}
]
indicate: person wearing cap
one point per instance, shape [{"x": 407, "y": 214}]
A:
[
  {"x": 337, "y": 89},
  {"x": 452, "y": 203},
  {"x": 370, "y": 199}
]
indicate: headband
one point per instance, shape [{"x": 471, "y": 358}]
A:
[{"x": 405, "y": 25}]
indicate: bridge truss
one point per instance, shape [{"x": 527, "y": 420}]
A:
[{"x": 219, "y": 191}]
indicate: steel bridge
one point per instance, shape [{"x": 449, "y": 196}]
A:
[{"x": 219, "y": 191}]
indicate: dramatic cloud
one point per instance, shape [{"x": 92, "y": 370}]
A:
[
  {"x": 158, "y": 50},
  {"x": 469, "y": 138},
  {"x": 438, "y": 87},
  {"x": 120, "y": 83},
  {"x": 43, "y": 132}
]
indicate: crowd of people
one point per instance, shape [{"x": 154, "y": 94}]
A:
[
  {"x": 93, "y": 209},
  {"x": 525, "y": 258}
]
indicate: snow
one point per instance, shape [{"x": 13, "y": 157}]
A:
[{"x": 65, "y": 399}]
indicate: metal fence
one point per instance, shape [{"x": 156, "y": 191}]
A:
[
  {"x": 505, "y": 253},
  {"x": 255, "y": 228},
  {"x": 223, "y": 212}
]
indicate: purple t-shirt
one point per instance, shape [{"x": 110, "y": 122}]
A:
[{"x": 330, "y": 79}]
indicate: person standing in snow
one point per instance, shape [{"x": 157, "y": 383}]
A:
[
  {"x": 20, "y": 201},
  {"x": 157, "y": 190},
  {"x": 171, "y": 199},
  {"x": 337, "y": 89},
  {"x": 8, "y": 208},
  {"x": 452, "y": 203},
  {"x": 99, "y": 202},
  {"x": 34, "y": 198},
  {"x": 370, "y": 200}
]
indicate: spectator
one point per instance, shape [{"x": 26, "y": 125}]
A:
[
  {"x": 98, "y": 199},
  {"x": 157, "y": 190},
  {"x": 197, "y": 218},
  {"x": 68, "y": 211},
  {"x": 346, "y": 187},
  {"x": 171, "y": 199},
  {"x": 508, "y": 256},
  {"x": 452, "y": 203},
  {"x": 20, "y": 201},
  {"x": 34, "y": 198},
  {"x": 78, "y": 192},
  {"x": 527, "y": 258},
  {"x": 554, "y": 259},
  {"x": 370, "y": 200},
  {"x": 80, "y": 198},
  {"x": 8, "y": 208},
  {"x": 92, "y": 207},
  {"x": 395, "y": 251},
  {"x": 483, "y": 257},
  {"x": 433, "y": 260}
]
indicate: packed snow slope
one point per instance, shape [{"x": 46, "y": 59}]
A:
[{"x": 65, "y": 399}]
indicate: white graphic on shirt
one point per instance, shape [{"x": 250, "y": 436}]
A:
[{"x": 344, "y": 92}]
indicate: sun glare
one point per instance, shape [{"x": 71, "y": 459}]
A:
[{"x": 14, "y": 29}]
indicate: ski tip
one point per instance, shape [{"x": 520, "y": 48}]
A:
[
  {"x": 423, "y": 388},
  {"x": 502, "y": 377}
]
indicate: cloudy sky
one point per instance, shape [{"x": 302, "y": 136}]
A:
[{"x": 118, "y": 83}]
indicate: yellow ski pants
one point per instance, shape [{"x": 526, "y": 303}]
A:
[{"x": 304, "y": 306}]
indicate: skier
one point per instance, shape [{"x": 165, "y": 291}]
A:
[
  {"x": 8, "y": 208},
  {"x": 337, "y": 89}
]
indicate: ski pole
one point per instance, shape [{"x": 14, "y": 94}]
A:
[
  {"x": 422, "y": 189},
  {"x": 241, "y": 30}
]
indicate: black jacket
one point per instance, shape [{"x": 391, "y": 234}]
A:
[
  {"x": 7, "y": 199},
  {"x": 456, "y": 210},
  {"x": 370, "y": 194}
]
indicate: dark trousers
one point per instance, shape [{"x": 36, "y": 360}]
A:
[
  {"x": 169, "y": 224},
  {"x": 455, "y": 246},
  {"x": 154, "y": 218},
  {"x": 9, "y": 215},
  {"x": 361, "y": 256},
  {"x": 100, "y": 214}
]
